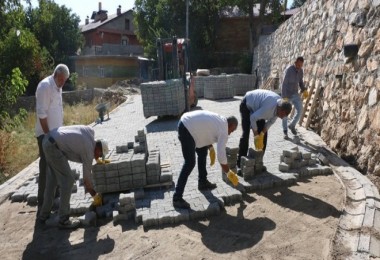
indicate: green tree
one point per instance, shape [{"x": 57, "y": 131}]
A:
[
  {"x": 297, "y": 3},
  {"x": 167, "y": 18},
  {"x": 11, "y": 87},
  {"x": 56, "y": 28}
]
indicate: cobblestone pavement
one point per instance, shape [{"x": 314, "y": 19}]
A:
[{"x": 153, "y": 207}]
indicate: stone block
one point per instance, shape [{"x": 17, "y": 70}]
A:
[
  {"x": 126, "y": 178},
  {"x": 32, "y": 199},
  {"x": 113, "y": 187},
  {"x": 101, "y": 188},
  {"x": 364, "y": 242},
  {"x": 150, "y": 220},
  {"x": 114, "y": 180},
  {"x": 110, "y": 167},
  {"x": 283, "y": 167},
  {"x": 112, "y": 174},
  {"x": 288, "y": 160},
  {"x": 98, "y": 168},
  {"x": 232, "y": 150},
  {"x": 369, "y": 217},
  {"x": 306, "y": 155},
  {"x": 322, "y": 159},
  {"x": 166, "y": 176}
]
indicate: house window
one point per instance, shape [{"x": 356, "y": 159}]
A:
[
  {"x": 124, "y": 40},
  {"x": 127, "y": 24}
]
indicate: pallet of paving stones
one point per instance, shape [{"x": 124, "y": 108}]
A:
[
  {"x": 241, "y": 83},
  {"x": 217, "y": 87},
  {"x": 163, "y": 98}
]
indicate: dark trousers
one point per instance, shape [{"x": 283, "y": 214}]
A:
[
  {"x": 42, "y": 174},
  {"x": 246, "y": 127},
  {"x": 188, "y": 152}
]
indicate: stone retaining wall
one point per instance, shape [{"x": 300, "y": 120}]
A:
[{"x": 348, "y": 114}]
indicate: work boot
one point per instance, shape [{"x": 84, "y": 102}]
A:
[
  {"x": 206, "y": 185},
  {"x": 293, "y": 130},
  {"x": 286, "y": 137},
  {"x": 69, "y": 224},
  {"x": 180, "y": 203}
]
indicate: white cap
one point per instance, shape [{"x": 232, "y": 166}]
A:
[{"x": 105, "y": 148}]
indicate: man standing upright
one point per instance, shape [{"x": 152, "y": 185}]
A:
[
  {"x": 259, "y": 109},
  {"x": 49, "y": 112},
  {"x": 293, "y": 78}
]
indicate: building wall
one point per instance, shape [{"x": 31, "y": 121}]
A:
[
  {"x": 103, "y": 71},
  {"x": 113, "y": 32},
  {"x": 348, "y": 115}
]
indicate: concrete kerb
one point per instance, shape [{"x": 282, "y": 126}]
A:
[{"x": 357, "y": 230}]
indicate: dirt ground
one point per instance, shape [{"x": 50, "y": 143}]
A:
[{"x": 283, "y": 223}]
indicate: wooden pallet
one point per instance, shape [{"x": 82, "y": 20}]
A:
[{"x": 310, "y": 104}]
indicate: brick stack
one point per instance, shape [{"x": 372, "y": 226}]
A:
[
  {"x": 232, "y": 154},
  {"x": 304, "y": 162},
  {"x": 217, "y": 87},
  {"x": 241, "y": 83},
  {"x": 131, "y": 167},
  {"x": 153, "y": 167},
  {"x": 252, "y": 164},
  {"x": 163, "y": 98}
]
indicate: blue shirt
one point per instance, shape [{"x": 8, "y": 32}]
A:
[
  {"x": 292, "y": 79},
  {"x": 263, "y": 105}
]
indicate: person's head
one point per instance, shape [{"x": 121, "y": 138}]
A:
[
  {"x": 232, "y": 124},
  {"x": 101, "y": 149},
  {"x": 61, "y": 74},
  {"x": 298, "y": 63},
  {"x": 283, "y": 108}
]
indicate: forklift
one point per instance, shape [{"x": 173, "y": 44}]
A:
[{"x": 172, "y": 58}]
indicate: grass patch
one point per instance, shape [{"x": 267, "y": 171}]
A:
[{"x": 19, "y": 148}]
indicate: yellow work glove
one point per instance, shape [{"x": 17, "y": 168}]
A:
[
  {"x": 305, "y": 94},
  {"x": 212, "y": 155},
  {"x": 100, "y": 161},
  {"x": 233, "y": 178},
  {"x": 286, "y": 99},
  {"x": 98, "y": 201},
  {"x": 259, "y": 141}
]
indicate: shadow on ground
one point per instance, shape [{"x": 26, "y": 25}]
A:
[
  {"x": 52, "y": 243},
  {"x": 300, "y": 202}
]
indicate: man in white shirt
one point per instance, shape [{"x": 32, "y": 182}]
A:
[
  {"x": 197, "y": 131},
  {"x": 259, "y": 109},
  {"x": 49, "y": 112}
]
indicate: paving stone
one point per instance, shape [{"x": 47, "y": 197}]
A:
[
  {"x": 349, "y": 239},
  {"x": 369, "y": 216},
  {"x": 349, "y": 222},
  {"x": 283, "y": 167},
  {"x": 355, "y": 207},
  {"x": 364, "y": 242},
  {"x": 355, "y": 195},
  {"x": 375, "y": 246}
]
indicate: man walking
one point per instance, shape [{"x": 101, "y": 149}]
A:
[
  {"x": 75, "y": 143},
  {"x": 197, "y": 131},
  {"x": 293, "y": 78},
  {"x": 259, "y": 109},
  {"x": 49, "y": 112}
]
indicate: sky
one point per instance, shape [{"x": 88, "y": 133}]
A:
[{"x": 85, "y": 8}]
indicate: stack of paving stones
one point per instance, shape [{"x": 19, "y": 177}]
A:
[
  {"x": 217, "y": 87},
  {"x": 232, "y": 154},
  {"x": 241, "y": 83},
  {"x": 131, "y": 167},
  {"x": 252, "y": 164},
  {"x": 304, "y": 162},
  {"x": 163, "y": 98}
]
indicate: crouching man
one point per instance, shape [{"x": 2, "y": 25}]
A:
[{"x": 68, "y": 143}]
